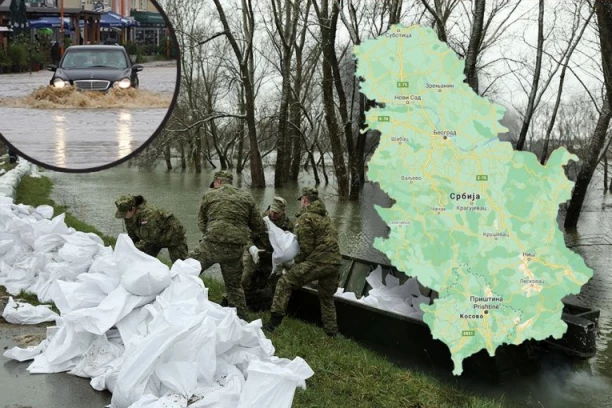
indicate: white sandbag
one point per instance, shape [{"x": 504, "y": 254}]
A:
[
  {"x": 28, "y": 353},
  {"x": 56, "y": 225},
  {"x": 113, "y": 308},
  {"x": 178, "y": 376},
  {"x": 141, "y": 354},
  {"x": 108, "y": 380},
  {"x": 46, "y": 211},
  {"x": 273, "y": 385},
  {"x": 404, "y": 299},
  {"x": 143, "y": 275},
  {"x": 188, "y": 267},
  {"x": 25, "y": 313},
  {"x": 88, "y": 291},
  {"x": 106, "y": 265},
  {"x": 224, "y": 393},
  {"x": 133, "y": 325},
  {"x": 79, "y": 247},
  {"x": 49, "y": 242},
  {"x": 284, "y": 243},
  {"x": 5, "y": 245},
  {"x": 100, "y": 354},
  {"x": 167, "y": 401},
  {"x": 64, "y": 351}
]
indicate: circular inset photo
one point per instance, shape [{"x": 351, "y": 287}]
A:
[{"x": 85, "y": 85}]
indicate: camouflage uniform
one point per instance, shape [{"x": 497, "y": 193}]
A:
[
  {"x": 152, "y": 229},
  {"x": 226, "y": 215},
  {"x": 319, "y": 260},
  {"x": 257, "y": 283}
]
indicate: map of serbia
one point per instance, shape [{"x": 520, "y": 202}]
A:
[{"x": 473, "y": 219}]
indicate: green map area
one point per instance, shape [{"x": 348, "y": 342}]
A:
[{"x": 473, "y": 220}]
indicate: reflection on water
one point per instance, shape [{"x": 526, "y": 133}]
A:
[
  {"x": 89, "y": 138},
  {"x": 124, "y": 134},
  {"x": 60, "y": 139},
  {"x": 358, "y": 224}
]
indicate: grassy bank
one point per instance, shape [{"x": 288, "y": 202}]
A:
[
  {"x": 346, "y": 374},
  {"x": 37, "y": 191}
]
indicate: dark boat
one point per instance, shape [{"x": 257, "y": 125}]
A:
[{"x": 406, "y": 340}]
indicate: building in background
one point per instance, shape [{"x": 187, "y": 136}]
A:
[{"x": 151, "y": 32}]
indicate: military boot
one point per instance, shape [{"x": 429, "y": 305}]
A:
[{"x": 275, "y": 321}]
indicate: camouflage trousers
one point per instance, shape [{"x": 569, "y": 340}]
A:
[
  {"x": 178, "y": 251},
  {"x": 229, "y": 257},
  {"x": 256, "y": 281},
  {"x": 302, "y": 274}
]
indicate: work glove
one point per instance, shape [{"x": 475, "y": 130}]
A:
[{"x": 254, "y": 251}]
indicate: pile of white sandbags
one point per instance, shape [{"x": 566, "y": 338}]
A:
[
  {"x": 145, "y": 332},
  {"x": 10, "y": 180},
  {"x": 405, "y": 299}
]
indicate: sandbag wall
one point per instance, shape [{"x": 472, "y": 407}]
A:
[
  {"x": 10, "y": 180},
  {"x": 143, "y": 331}
]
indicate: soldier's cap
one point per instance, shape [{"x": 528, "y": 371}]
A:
[
  {"x": 224, "y": 175},
  {"x": 310, "y": 192},
  {"x": 124, "y": 204},
  {"x": 278, "y": 205}
]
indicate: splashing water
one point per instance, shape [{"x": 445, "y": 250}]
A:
[{"x": 48, "y": 97}]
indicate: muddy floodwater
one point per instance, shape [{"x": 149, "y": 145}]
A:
[
  {"x": 587, "y": 385},
  {"x": 75, "y": 130}
]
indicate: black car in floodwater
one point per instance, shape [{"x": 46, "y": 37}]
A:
[{"x": 95, "y": 68}]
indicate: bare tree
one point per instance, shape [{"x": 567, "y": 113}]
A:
[
  {"x": 475, "y": 42},
  {"x": 536, "y": 79},
  {"x": 285, "y": 15},
  {"x": 441, "y": 11},
  {"x": 328, "y": 22},
  {"x": 603, "y": 11},
  {"x": 245, "y": 58},
  {"x": 572, "y": 43},
  {"x": 305, "y": 69}
]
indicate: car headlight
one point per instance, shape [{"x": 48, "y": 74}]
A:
[
  {"x": 123, "y": 84},
  {"x": 60, "y": 83}
]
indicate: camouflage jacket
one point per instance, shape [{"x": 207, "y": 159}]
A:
[
  {"x": 262, "y": 241},
  {"x": 317, "y": 236},
  {"x": 152, "y": 226},
  {"x": 226, "y": 215}
]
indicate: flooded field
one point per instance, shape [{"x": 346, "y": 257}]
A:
[{"x": 75, "y": 130}]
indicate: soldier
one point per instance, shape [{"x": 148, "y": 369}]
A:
[
  {"x": 257, "y": 283},
  {"x": 226, "y": 215},
  {"x": 319, "y": 259},
  {"x": 152, "y": 229}
]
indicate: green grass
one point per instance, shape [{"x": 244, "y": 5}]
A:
[
  {"x": 8, "y": 166},
  {"x": 349, "y": 375},
  {"x": 32, "y": 299},
  {"x": 346, "y": 374}
]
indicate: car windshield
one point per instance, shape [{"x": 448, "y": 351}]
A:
[{"x": 83, "y": 59}]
